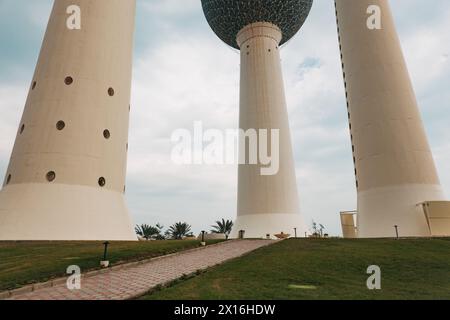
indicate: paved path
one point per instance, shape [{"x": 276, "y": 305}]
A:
[{"x": 133, "y": 281}]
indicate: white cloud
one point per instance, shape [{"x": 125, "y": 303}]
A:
[
  {"x": 182, "y": 80},
  {"x": 171, "y": 7},
  {"x": 11, "y": 107}
]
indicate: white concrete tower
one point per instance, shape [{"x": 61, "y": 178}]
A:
[
  {"x": 66, "y": 177},
  {"x": 394, "y": 167},
  {"x": 267, "y": 204}
]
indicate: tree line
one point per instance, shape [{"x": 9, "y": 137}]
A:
[{"x": 179, "y": 230}]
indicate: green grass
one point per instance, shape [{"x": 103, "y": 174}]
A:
[
  {"x": 325, "y": 269},
  {"x": 24, "y": 263}
]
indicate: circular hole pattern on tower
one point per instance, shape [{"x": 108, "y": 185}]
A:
[
  {"x": 102, "y": 182},
  {"x": 111, "y": 92},
  {"x": 51, "y": 176},
  {"x": 106, "y": 134},
  {"x": 60, "y": 125},
  {"x": 22, "y": 128},
  {"x": 68, "y": 80},
  {"x": 8, "y": 179},
  {"x": 33, "y": 86}
]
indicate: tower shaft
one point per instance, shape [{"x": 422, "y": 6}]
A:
[
  {"x": 66, "y": 177},
  {"x": 394, "y": 167},
  {"x": 267, "y": 204}
]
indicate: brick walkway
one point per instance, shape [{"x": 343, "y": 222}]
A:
[{"x": 136, "y": 280}]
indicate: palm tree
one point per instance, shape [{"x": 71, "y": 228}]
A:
[
  {"x": 223, "y": 227},
  {"x": 179, "y": 230},
  {"x": 315, "y": 229},
  {"x": 160, "y": 235},
  {"x": 321, "y": 228},
  {"x": 148, "y": 232}
]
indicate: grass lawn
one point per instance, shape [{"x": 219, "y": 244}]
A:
[
  {"x": 325, "y": 269},
  {"x": 24, "y": 263}
]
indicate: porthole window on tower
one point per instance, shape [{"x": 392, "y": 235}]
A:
[
  {"x": 51, "y": 176},
  {"x": 60, "y": 125},
  {"x": 111, "y": 92},
  {"x": 106, "y": 134},
  {"x": 33, "y": 86},
  {"x": 101, "y": 182},
  {"x": 68, "y": 80},
  {"x": 8, "y": 179},
  {"x": 22, "y": 128}
]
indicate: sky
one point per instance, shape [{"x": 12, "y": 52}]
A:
[{"x": 183, "y": 73}]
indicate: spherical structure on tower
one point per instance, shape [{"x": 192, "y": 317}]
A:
[{"x": 228, "y": 17}]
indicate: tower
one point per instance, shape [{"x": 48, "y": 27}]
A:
[
  {"x": 66, "y": 176},
  {"x": 394, "y": 167},
  {"x": 267, "y": 204}
]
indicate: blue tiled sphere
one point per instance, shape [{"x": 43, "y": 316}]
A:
[{"x": 228, "y": 17}]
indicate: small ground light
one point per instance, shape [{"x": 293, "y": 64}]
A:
[
  {"x": 203, "y": 243},
  {"x": 105, "y": 263}
]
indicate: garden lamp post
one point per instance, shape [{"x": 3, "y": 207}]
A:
[
  {"x": 203, "y": 238},
  {"x": 105, "y": 263},
  {"x": 396, "y": 231}
]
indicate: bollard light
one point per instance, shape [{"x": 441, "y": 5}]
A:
[
  {"x": 105, "y": 263},
  {"x": 295, "y": 232},
  {"x": 396, "y": 231},
  {"x": 203, "y": 238},
  {"x": 105, "y": 253}
]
